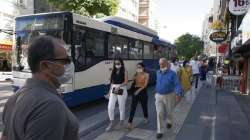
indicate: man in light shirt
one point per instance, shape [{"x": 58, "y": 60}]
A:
[
  {"x": 174, "y": 66},
  {"x": 195, "y": 64}
]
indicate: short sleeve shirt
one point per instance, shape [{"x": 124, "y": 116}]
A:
[
  {"x": 195, "y": 66},
  {"x": 36, "y": 112}
]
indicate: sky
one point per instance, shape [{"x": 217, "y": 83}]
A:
[{"x": 177, "y": 17}]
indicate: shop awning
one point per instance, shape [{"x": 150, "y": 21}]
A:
[{"x": 5, "y": 45}]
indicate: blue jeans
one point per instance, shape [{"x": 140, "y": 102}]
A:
[{"x": 196, "y": 79}]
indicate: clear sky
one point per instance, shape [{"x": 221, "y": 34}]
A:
[{"x": 177, "y": 17}]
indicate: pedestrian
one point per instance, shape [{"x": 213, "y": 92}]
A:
[
  {"x": 5, "y": 65},
  {"x": 140, "y": 94},
  {"x": 168, "y": 94},
  {"x": 185, "y": 75},
  {"x": 174, "y": 66},
  {"x": 118, "y": 91},
  {"x": 196, "y": 70},
  {"x": 203, "y": 72},
  {"x": 36, "y": 111}
]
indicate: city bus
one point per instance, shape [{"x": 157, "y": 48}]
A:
[{"x": 92, "y": 44}]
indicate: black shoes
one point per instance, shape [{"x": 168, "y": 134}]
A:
[
  {"x": 169, "y": 125},
  {"x": 159, "y": 135}
]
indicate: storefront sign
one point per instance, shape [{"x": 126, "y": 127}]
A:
[
  {"x": 4, "y": 47},
  {"x": 223, "y": 48},
  {"x": 245, "y": 27},
  {"x": 239, "y": 7},
  {"x": 218, "y": 36}
]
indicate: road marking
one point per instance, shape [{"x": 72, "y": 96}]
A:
[
  {"x": 3, "y": 101},
  {"x": 142, "y": 134},
  {"x": 1, "y": 109}
]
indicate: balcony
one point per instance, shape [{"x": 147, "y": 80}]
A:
[
  {"x": 143, "y": 17},
  {"x": 144, "y": 3}
]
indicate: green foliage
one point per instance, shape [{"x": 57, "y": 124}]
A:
[
  {"x": 87, "y": 7},
  {"x": 188, "y": 46}
]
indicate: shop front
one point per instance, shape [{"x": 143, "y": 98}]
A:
[{"x": 5, "y": 55}]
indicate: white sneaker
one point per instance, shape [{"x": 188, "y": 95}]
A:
[{"x": 110, "y": 127}]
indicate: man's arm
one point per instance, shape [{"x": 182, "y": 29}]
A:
[{"x": 47, "y": 122}]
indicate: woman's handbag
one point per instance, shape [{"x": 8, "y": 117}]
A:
[{"x": 119, "y": 92}]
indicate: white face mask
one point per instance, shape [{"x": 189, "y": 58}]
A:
[
  {"x": 164, "y": 69},
  {"x": 118, "y": 66},
  {"x": 139, "y": 70},
  {"x": 68, "y": 73}
]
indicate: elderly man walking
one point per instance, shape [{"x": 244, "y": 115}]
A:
[{"x": 168, "y": 93}]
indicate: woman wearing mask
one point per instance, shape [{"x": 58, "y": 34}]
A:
[
  {"x": 185, "y": 75},
  {"x": 140, "y": 94},
  {"x": 118, "y": 91}
]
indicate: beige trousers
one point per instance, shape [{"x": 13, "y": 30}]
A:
[{"x": 164, "y": 103}]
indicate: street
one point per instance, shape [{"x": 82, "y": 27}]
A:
[
  {"x": 93, "y": 118},
  {"x": 88, "y": 113},
  {"x": 205, "y": 114}
]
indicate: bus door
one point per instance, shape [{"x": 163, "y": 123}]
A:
[{"x": 80, "y": 49}]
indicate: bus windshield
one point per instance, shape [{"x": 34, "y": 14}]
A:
[{"x": 27, "y": 28}]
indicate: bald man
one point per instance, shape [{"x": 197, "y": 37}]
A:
[{"x": 168, "y": 93}]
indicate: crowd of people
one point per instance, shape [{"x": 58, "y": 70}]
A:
[
  {"x": 37, "y": 112},
  {"x": 173, "y": 81}
]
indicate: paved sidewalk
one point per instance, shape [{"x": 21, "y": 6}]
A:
[
  {"x": 142, "y": 131},
  {"x": 215, "y": 115},
  {"x": 5, "y": 76}
]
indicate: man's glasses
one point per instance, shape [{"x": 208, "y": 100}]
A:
[{"x": 66, "y": 60}]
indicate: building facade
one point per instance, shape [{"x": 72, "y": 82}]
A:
[
  {"x": 128, "y": 9},
  {"x": 147, "y": 14},
  {"x": 9, "y": 9},
  {"x": 215, "y": 16}
]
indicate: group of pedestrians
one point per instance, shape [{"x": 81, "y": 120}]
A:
[
  {"x": 37, "y": 112},
  {"x": 167, "y": 94}
]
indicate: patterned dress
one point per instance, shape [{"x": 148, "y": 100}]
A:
[{"x": 185, "y": 75}]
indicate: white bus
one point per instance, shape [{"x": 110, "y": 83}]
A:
[{"x": 92, "y": 44}]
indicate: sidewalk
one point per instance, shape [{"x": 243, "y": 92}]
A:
[
  {"x": 209, "y": 114},
  {"x": 5, "y": 76},
  {"x": 215, "y": 115},
  {"x": 142, "y": 131}
]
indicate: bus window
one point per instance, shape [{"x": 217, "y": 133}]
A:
[
  {"x": 117, "y": 47},
  {"x": 157, "y": 52},
  {"x": 135, "y": 51},
  {"x": 148, "y": 50},
  {"x": 95, "y": 46}
]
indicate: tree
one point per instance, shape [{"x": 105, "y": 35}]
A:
[
  {"x": 188, "y": 46},
  {"x": 88, "y": 7}
]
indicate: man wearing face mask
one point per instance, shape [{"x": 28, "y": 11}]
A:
[
  {"x": 36, "y": 112},
  {"x": 168, "y": 93}
]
